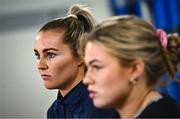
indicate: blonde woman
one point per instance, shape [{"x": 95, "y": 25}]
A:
[{"x": 126, "y": 57}]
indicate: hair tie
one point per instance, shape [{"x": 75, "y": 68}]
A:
[
  {"x": 72, "y": 15},
  {"x": 161, "y": 34}
]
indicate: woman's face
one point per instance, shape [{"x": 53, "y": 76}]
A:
[
  {"x": 57, "y": 66},
  {"x": 108, "y": 81}
]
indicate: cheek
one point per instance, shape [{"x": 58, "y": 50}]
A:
[
  {"x": 123, "y": 90},
  {"x": 114, "y": 88},
  {"x": 119, "y": 83},
  {"x": 57, "y": 65},
  {"x": 108, "y": 90},
  {"x": 111, "y": 82},
  {"x": 107, "y": 83},
  {"x": 110, "y": 78},
  {"x": 64, "y": 68}
]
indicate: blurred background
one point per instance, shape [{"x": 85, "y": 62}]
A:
[{"x": 22, "y": 93}]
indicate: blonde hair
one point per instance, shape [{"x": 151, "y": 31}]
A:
[
  {"x": 129, "y": 38},
  {"x": 78, "y": 21}
]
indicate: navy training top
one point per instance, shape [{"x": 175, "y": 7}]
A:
[{"x": 163, "y": 108}]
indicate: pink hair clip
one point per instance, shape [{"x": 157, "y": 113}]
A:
[{"x": 162, "y": 37}]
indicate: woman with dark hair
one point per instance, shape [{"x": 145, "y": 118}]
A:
[{"x": 60, "y": 63}]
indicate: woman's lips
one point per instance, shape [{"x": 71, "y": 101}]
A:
[
  {"x": 45, "y": 76},
  {"x": 92, "y": 94}
]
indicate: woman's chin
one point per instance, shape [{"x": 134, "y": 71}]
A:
[
  {"x": 49, "y": 87},
  {"x": 100, "y": 104}
]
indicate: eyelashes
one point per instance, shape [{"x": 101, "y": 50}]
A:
[
  {"x": 47, "y": 55},
  {"x": 94, "y": 67},
  {"x": 50, "y": 55},
  {"x": 97, "y": 67},
  {"x": 37, "y": 55}
]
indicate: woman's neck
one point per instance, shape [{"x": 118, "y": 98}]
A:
[
  {"x": 74, "y": 82},
  {"x": 135, "y": 101}
]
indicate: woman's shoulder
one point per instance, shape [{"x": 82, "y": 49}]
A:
[{"x": 165, "y": 107}]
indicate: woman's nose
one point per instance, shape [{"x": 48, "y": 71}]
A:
[
  {"x": 88, "y": 79},
  {"x": 42, "y": 64}
]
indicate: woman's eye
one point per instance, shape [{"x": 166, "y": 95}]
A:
[
  {"x": 96, "y": 67},
  {"x": 50, "y": 55},
  {"x": 37, "y": 55}
]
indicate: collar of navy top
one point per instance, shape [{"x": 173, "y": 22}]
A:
[{"x": 73, "y": 96}]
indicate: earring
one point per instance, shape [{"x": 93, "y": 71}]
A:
[{"x": 133, "y": 81}]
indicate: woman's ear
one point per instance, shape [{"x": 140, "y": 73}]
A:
[
  {"x": 81, "y": 60},
  {"x": 137, "y": 69}
]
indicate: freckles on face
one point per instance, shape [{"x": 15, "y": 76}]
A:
[
  {"x": 109, "y": 78},
  {"x": 56, "y": 64}
]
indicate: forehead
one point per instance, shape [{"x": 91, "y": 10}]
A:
[
  {"x": 49, "y": 38},
  {"x": 95, "y": 50}
]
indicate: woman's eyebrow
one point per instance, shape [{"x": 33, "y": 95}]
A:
[
  {"x": 93, "y": 61},
  {"x": 47, "y": 49}
]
